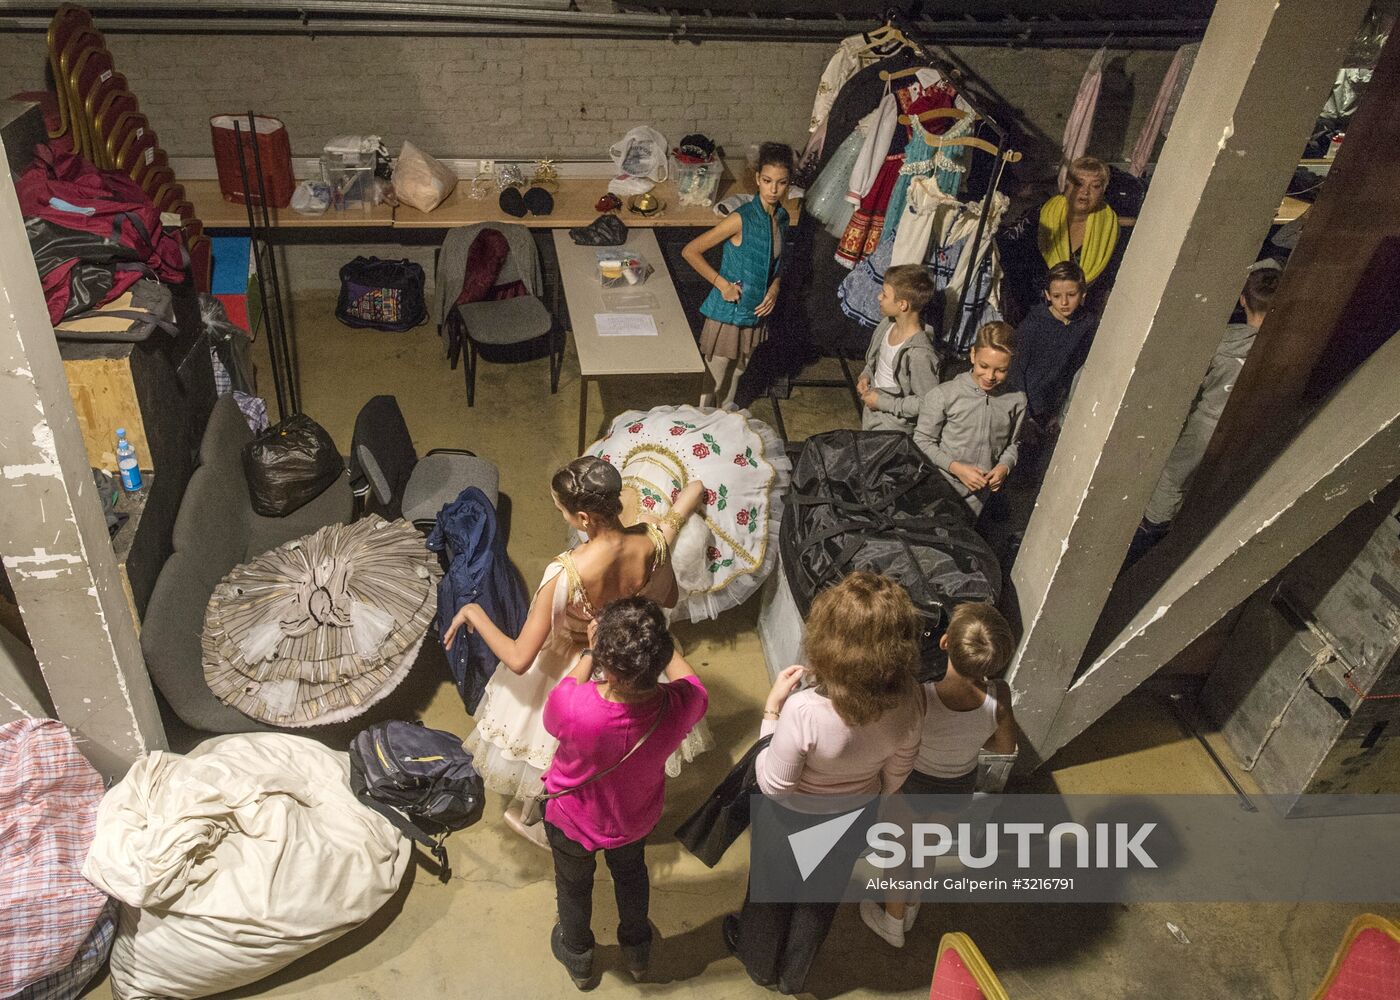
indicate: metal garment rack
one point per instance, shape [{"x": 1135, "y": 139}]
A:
[
  {"x": 286, "y": 375},
  {"x": 894, "y": 20}
]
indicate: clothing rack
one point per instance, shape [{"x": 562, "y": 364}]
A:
[
  {"x": 1004, "y": 155},
  {"x": 894, "y": 19},
  {"x": 286, "y": 376}
]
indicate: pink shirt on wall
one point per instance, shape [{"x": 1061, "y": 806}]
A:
[
  {"x": 814, "y": 752},
  {"x": 594, "y": 734}
]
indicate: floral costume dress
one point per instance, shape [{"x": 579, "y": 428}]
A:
[
  {"x": 510, "y": 747},
  {"x": 725, "y": 552}
]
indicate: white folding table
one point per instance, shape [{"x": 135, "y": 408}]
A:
[{"x": 671, "y": 351}]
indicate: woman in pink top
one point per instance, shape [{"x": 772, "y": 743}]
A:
[
  {"x": 627, "y": 717},
  {"x": 853, "y": 733}
]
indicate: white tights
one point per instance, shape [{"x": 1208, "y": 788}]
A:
[{"x": 726, "y": 373}]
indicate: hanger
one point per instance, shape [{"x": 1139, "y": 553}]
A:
[
  {"x": 1009, "y": 155},
  {"x": 956, "y": 114}
]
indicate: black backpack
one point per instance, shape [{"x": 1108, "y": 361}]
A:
[
  {"x": 419, "y": 779},
  {"x": 382, "y": 294}
]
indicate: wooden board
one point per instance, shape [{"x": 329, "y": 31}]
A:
[
  {"x": 104, "y": 397},
  {"x": 215, "y": 213}
]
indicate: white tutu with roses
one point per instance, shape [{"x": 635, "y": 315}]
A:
[{"x": 727, "y": 550}]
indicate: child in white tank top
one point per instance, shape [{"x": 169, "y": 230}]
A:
[{"x": 963, "y": 713}]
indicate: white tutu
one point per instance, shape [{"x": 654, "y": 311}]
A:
[
  {"x": 510, "y": 747},
  {"x": 727, "y": 550}
]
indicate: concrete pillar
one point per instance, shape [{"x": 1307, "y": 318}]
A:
[
  {"x": 1347, "y": 453},
  {"x": 1262, "y": 73},
  {"x": 53, "y": 537},
  {"x": 1339, "y": 295}
]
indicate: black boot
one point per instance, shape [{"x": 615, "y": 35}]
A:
[
  {"x": 579, "y": 966},
  {"x": 638, "y": 959}
]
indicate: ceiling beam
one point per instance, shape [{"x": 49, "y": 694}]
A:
[{"x": 1252, "y": 96}]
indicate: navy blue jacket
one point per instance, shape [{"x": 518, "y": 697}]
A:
[
  {"x": 1048, "y": 353},
  {"x": 480, "y": 573}
]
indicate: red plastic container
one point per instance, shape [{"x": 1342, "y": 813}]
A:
[{"x": 274, "y": 150}]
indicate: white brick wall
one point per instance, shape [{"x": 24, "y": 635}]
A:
[{"x": 564, "y": 97}]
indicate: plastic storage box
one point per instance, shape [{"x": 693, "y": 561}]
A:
[{"x": 697, "y": 183}]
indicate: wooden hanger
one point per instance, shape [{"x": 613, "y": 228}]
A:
[
  {"x": 956, "y": 114},
  {"x": 1010, "y": 155}
]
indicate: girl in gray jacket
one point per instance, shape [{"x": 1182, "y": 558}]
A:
[{"x": 970, "y": 426}]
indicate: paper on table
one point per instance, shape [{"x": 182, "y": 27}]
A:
[{"x": 625, "y": 324}]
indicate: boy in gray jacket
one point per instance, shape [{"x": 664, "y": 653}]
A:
[
  {"x": 901, "y": 366},
  {"x": 1225, "y": 367},
  {"x": 970, "y": 426}
]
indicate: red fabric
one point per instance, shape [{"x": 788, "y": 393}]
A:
[
  {"x": 953, "y": 981},
  {"x": 122, "y": 214},
  {"x": 48, "y": 815},
  {"x": 237, "y": 308},
  {"x": 485, "y": 259},
  {"x": 1370, "y": 970}
]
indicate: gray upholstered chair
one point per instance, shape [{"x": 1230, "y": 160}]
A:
[
  {"x": 495, "y": 323},
  {"x": 390, "y": 479}
]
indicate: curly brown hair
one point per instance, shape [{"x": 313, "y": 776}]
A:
[
  {"x": 632, "y": 643},
  {"x": 862, "y": 646}
]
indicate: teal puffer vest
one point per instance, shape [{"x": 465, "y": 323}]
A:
[{"x": 751, "y": 262}]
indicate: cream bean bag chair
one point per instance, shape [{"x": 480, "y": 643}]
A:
[{"x": 235, "y": 860}]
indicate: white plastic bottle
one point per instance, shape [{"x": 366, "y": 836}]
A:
[{"x": 126, "y": 462}]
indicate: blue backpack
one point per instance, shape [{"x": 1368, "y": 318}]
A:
[{"x": 419, "y": 779}]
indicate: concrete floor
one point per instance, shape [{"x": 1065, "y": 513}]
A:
[{"x": 485, "y": 934}]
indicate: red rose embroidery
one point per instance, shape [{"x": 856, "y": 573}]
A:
[
  {"x": 710, "y": 497},
  {"x": 607, "y": 458},
  {"x": 649, "y": 503},
  {"x": 742, "y": 517},
  {"x": 634, "y": 428},
  {"x": 677, "y": 431},
  {"x": 740, "y": 460},
  {"x": 700, "y": 451},
  {"x": 712, "y": 553},
  {"x": 674, "y": 494}
]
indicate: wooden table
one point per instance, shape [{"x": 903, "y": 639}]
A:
[
  {"x": 215, "y": 213},
  {"x": 671, "y": 352},
  {"x": 573, "y": 206}
]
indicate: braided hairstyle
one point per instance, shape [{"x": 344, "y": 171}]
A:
[{"x": 590, "y": 486}]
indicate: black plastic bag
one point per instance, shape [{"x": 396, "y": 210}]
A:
[
  {"x": 872, "y": 500},
  {"x": 712, "y": 829},
  {"x": 289, "y": 465}
]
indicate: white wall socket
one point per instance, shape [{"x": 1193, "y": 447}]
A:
[{"x": 485, "y": 166}]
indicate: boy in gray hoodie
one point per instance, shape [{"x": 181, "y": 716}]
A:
[
  {"x": 970, "y": 425},
  {"x": 1225, "y": 367},
  {"x": 901, "y": 366}
]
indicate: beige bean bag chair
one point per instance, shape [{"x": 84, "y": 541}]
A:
[{"x": 236, "y": 860}]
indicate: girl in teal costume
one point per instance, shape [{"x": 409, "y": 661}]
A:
[{"x": 746, "y": 284}]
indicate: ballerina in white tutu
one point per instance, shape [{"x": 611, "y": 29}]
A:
[
  {"x": 723, "y": 556},
  {"x": 510, "y": 746}
]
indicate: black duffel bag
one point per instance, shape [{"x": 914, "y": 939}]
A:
[
  {"x": 289, "y": 465},
  {"x": 382, "y": 294},
  {"x": 871, "y": 500}
]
